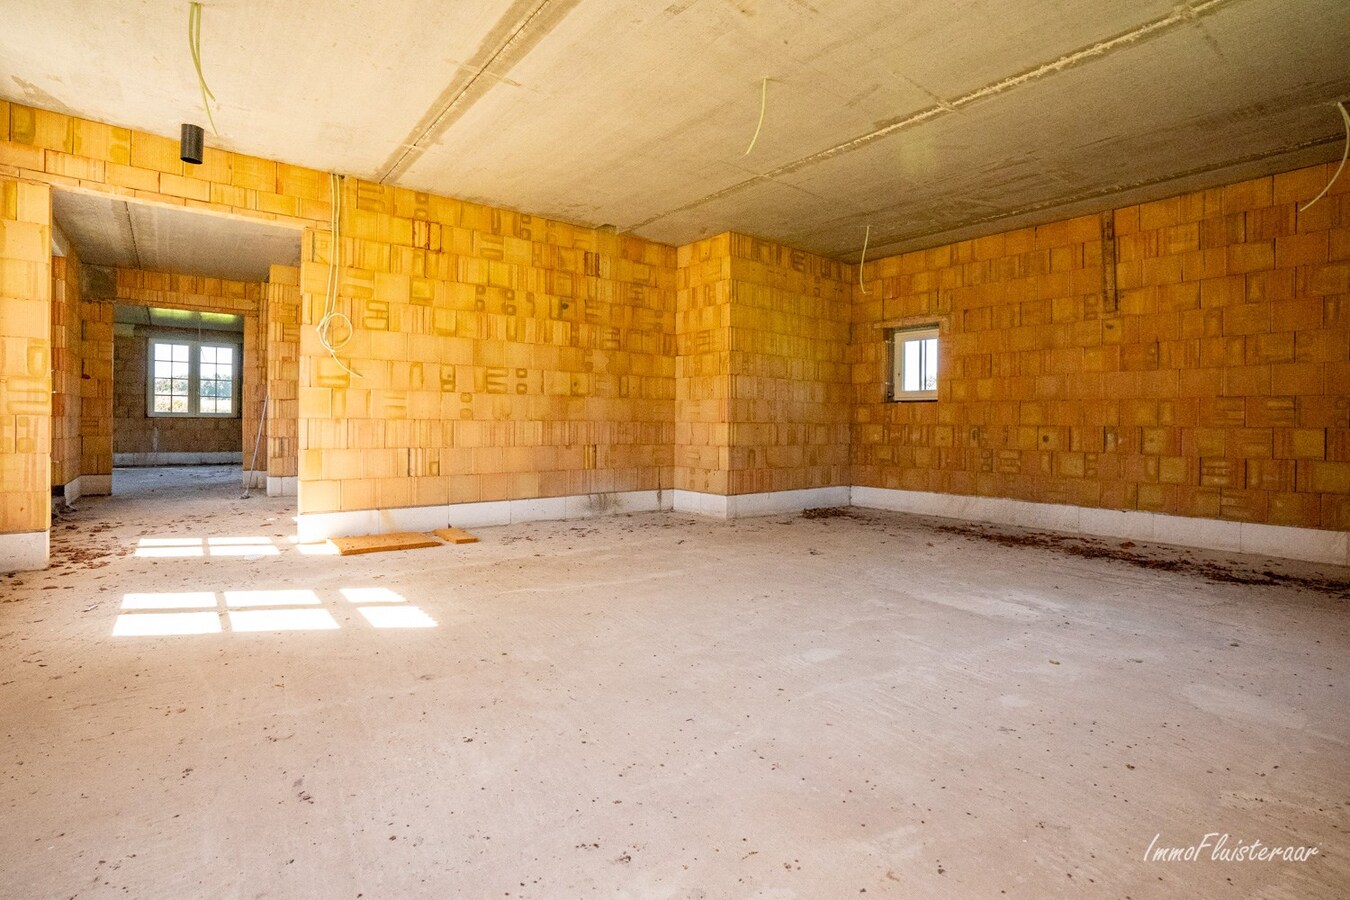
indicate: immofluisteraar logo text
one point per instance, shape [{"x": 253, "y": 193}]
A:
[{"x": 1221, "y": 848}]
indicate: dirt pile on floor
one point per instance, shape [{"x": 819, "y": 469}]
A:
[{"x": 1157, "y": 558}]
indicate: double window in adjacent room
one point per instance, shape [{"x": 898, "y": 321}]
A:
[{"x": 191, "y": 378}]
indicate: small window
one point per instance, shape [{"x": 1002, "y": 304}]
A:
[
  {"x": 191, "y": 379},
  {"x": 914, "y": 364}
]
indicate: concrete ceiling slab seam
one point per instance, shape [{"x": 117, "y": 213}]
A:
[
  {"x": 1089, "y": 85},
  {"x": 687, "y": 68},
  {"x": 1082, "y": 149},
  {"x": 525, "y": 23}
]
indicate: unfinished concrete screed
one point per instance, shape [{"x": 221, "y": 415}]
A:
[{"x": 661, "y": 706}]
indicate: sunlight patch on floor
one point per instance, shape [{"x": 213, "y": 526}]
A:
[{"x": 274, "y": 610}]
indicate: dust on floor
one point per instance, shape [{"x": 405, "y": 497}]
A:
[{"x": 655, "y": 705}]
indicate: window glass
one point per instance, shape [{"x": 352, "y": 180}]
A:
[
  {"x": 190, "y": 379},
  {"x": 920, "y": 365},
  {"x": 915, "y": 364},
  {"x": 170, "y": 377},
  {"x": 215, "y": 392}
]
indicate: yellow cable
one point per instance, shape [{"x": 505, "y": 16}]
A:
[
  {"x": 195, "y": 46},
  {"x": 763, "y": 101},
  {"x": 862, "y": 261}
]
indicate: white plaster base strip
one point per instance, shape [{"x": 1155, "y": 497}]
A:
[
  {"x": 700, "y": 504},
  {"x": 740, "y": 506},
  {"x": 72, "y": 491},
  {"x": 774, "y": 503},
  {"x": 281, "y": 486},
  {"x": 222, "y": 458},
  {"x": 24, "y": 552},
  {"x": 313, "y": 527},
  {"x": 1310, "y": 544}
]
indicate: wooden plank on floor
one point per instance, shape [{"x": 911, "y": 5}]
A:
[
  {"x": 456, "y": 535},
  {"x": 375, "y": 543}
]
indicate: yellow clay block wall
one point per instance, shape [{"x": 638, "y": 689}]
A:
[
  {"x": 66, "y": 368},
  {"x": 25, "y": 356},
  {"x": 703, "y": 367},
  {"x": 499, "y": 356},
  {"x": 283, "y": 370},
  {"x": 1213, "y": 381},
  {"x": 68, "y": 152},
  {"x": 1209, "y": 382},
  {"x": 96, "y": 389},
  {"x": 599, "y": 395},
  {"x": 791, "y": 379},
  {"x": 764, "y": 382}
]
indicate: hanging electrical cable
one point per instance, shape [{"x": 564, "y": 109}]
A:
[
  {"x": 763, "y": 102},
  {"x": 1340, "y": 104},
  {"x": 862, "y": 261},
  {"x": 331, "y": 317},
  {"x": 195, "y": 45}
]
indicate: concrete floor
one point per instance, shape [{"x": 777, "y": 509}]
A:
[{"x": 656, "y": 706}]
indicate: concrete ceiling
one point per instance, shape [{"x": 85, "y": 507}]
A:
[
  {"x": 928, "y": 120},
  {"x": 108, "y": 231}
]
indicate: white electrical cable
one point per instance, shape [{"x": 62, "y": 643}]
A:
[
  {"x": 331, "y": 316},
  {"x": 1340, "y": 104},
  {"x": 862, "y": 261}
]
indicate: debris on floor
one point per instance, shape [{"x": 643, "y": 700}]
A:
[
  {"x": 376, "y": 543},
  {"x": 1157, "y": 558},
  {"x": 827, "y": 512},
  {"x": 455, "y": 536}
]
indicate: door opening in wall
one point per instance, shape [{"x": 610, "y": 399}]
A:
[
  {"x": 177, "y": 388},
  {"x": 166, "y": 347}
]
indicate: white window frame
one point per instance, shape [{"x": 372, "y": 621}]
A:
[
  {"x": 194, "y": 378},
  {"x": 901, "y": 340}
]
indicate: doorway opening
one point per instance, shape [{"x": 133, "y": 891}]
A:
[{"x": 162, "y": 326}]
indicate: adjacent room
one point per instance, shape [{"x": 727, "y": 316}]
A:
[{"x": 710, "y": 449}]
